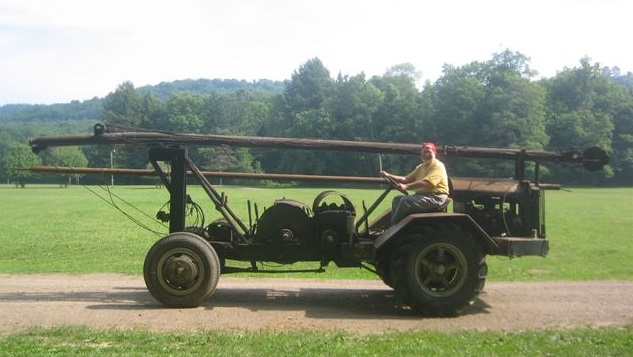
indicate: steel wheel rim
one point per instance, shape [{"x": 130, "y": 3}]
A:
[
  {"x": 180, "y": 271},
  {"x": 440, "y": 269}
]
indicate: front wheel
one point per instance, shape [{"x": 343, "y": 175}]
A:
[
  {"x": 181, "y": 270},
  {"x": 438, "y": 276}
]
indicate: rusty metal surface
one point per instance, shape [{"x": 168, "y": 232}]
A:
[
  {"x": 593, "y": 158},
  {"x": 485, "y": 185},
  {"x": 222, "y": 174},
  {"x": 160, "y": 138}
]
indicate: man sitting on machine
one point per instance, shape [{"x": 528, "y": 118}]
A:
[{"x": 429, "y": 180}]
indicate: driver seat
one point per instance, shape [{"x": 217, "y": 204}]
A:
[{"x": 444, "y": 206}]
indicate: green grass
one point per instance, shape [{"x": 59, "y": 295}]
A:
[{"x": 81, "y": 341}]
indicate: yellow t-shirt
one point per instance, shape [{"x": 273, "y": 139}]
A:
[{"x": 435, "y": 173}]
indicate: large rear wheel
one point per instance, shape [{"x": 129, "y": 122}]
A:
[
  {"x": 438, "y": 275},
  {"x": 181, "y": 270}
]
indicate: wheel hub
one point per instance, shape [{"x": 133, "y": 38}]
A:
[
  {"x": 180, "y": 271},
  {"x": 439, "y": 269}
]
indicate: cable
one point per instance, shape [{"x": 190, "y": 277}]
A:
[
  {"x": 127, "y": 215},
  {"x": 111, "y": 200}
]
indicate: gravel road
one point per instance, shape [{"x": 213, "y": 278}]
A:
[{"x": 359, "y": 306}]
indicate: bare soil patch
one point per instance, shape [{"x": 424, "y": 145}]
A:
[{"x": 358, "y": 306}]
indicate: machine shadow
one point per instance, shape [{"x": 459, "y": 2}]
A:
[
  {"x": 349, "y": 303},
  {"x": 323, "y": 303}
]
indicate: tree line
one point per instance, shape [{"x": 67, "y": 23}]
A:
[{"x": 494, "y": 103}]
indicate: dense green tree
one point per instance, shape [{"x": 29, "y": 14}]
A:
[
  {"x": 316, "y": 123},
  {"x": 238, "y": 113},
  {"x": 17, "y": 158},
  {"x": 622, "y": 156},
  {"x": 575, "y": 116},
  {"x": 217, "y": 158},
  {"x": 455, "y": 99},
  {"x": 5, "y": 145},
  {"x": 257, "y": 111},
  {"x": 309, "y": 88},
  {"x": 404, "y": 69},
  {"x": 183, "y": 113},
  {"x": 304, "y": 114},
  {"x": 617, "y": 99},
  {"x": 582, "y": 105},
  {"x": 66, "y": 156},
  {"x": 152, "y": 112},
  {"x": 490, "y": 104},
  {"x": 454, "y": 103},
  {"x": 399, "y": 117},
  {"x": 512, "y": 113},
  {"x": 123, "y": 107},
  {"x": 354, "y": 103}
]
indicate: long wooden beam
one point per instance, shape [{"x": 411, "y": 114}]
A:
[
  {"x": 459, "y": 183},
  {"x": 220, "y": 174},
  {"x": 592, "y": 158}
]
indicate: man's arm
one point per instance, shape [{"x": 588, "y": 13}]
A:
[
  {"x": 407, "y": 182},
  {"x": 398, "y": 179},
  {"x": 416, "y": 185}
]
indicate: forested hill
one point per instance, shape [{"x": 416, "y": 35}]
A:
[
  {"x": 164, "y": 90},
  {"x": 90, "y": 109},
  {"x": 28, "y": 113}
]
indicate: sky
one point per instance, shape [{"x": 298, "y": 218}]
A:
[{"x": 56, "y": 51}]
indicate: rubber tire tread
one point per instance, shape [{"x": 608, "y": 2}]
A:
[
  {"x": 427, "y": 305},
  {"x": 211, "y": 268}
]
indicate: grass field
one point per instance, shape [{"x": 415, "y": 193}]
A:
[{"x": 46, "y": 229}]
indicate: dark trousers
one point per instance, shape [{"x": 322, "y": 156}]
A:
[{"x": 401, "y": 206}]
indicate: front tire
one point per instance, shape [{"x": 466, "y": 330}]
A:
[
  {"x": 438, "y": 276},
  {"x": 181, "y": 270}
]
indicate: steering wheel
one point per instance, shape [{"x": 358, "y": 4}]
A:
[{"x": 395, "y": 185}]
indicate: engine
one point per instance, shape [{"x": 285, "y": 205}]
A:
[
  {"x": 287, "y": 221},
  {"x": 333, "y": 222},
  {"x": 292, "y": 222}
]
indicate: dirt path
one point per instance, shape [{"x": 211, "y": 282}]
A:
[{"x": 122, "y": 301}]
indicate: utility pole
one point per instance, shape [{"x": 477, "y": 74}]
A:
[{"x": 112, "y": 166}]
